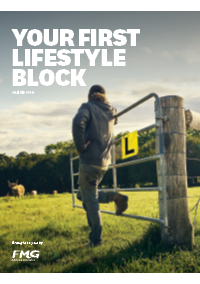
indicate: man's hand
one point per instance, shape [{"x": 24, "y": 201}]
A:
[{"x": 85, "y": 146}]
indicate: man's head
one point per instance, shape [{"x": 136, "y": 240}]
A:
[{"x": 98, "y": 93}]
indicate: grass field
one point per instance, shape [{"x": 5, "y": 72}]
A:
[{"x": 129, "y": 246}]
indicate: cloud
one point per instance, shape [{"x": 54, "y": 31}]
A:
[
  {"x": 35, "y": 142},
  {"x": 48, "y": 109},
  {"x": 147, "y": 49},
  {"x": 31, "y": 126},
  {"x": 133, "y": 90},
  {"x": 166, "y": 54},
  {"x": 1, "y": 80},
  {"x": 31, "y": 115},
  {"x": 191, "y": 53},
  {"x": 3, "y": 132}
]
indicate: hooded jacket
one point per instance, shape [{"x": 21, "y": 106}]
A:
[{"x": 94, "y": 122}]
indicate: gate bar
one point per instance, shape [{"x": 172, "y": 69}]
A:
[
  {"x": 131, "y": 189},
  {"x": 114, "y": 167},
  {"x": 135, "y": 189},
  {"x": 139, "y": 131},
  {"x": 148, "y": 127},
  {"x": 72, "y": 179},
  {"x": 161, "y": 221},
  {"x": 74, "y": 158},
  {"x": 138, "y": 161},
  {"x": 140, "y": 102}
]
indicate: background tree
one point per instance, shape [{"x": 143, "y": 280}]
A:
[
  {"x": 51, "y": 171},
  {"x": 22, "y": 154},
  {"x": 60, "y": 147}
]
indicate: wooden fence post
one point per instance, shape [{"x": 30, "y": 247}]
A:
[
  {"x": 192, "y": 119},
  {"x": 175, "y": 175}
]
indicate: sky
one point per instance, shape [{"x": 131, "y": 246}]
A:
[{"x": 165, "y": 60}]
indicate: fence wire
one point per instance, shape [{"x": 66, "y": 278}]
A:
[
  {"x": 193, "y": 159},
  {"x": 196, "y": 205}
]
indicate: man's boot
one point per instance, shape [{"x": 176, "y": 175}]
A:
[{"x": 121, "y": 202}]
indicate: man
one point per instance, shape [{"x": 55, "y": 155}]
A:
[{"x": 93, "y": 136}]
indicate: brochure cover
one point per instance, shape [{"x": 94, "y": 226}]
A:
[{"x": 49, "y": 60}]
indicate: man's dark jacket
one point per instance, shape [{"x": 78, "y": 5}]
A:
[{"x": 94, "y": 122}]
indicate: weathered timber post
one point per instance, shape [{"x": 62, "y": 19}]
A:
[
  {"x": 192, "y": 119},
  {"x": 175, "y": 175}
]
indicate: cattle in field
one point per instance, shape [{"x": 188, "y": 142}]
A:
[
  {"x": 55, "y": 192},
  {"x": 17, "y": 189},
  {"x": 34, "y": 192}
]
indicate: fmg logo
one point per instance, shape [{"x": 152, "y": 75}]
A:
[{"x": 20, "y": 255}]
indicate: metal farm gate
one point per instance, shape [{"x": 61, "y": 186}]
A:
[{"x": 158, "y": 157}]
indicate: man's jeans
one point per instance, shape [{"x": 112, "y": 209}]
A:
[{"x": 89, "y": 178}]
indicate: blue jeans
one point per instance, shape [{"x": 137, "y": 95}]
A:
[{"x": 89, "y": 178}]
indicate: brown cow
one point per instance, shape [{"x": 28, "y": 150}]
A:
[
  {"x": 55, "y": 192},
  {"x": 17, "y": 190}
]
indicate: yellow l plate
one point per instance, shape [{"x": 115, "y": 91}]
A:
[{"x": 129, "y": 145}]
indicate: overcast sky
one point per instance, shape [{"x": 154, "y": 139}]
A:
[{"x": 165, "y": 60}]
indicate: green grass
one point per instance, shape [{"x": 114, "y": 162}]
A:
[{"x": 130, "y": 245}]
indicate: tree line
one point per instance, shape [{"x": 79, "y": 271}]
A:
[{"x": 51, "y": 170}]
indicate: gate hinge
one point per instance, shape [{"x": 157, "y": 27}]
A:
[{"x": 164, "y": 118}]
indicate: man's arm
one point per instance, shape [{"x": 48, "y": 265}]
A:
[{"x": 78, "y": 128}]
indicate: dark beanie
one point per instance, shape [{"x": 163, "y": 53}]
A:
[{"x": 97, "y": 89}]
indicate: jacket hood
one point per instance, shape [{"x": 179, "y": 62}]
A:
[{"x": 106, "y": 106}]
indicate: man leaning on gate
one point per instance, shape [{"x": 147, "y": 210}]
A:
[{"x": 93, "y": 136}]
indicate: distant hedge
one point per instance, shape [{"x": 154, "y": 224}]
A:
[{"x": 48, "y": 172}]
